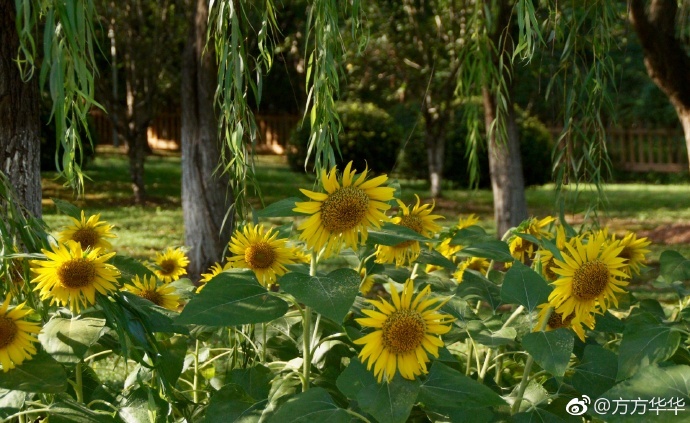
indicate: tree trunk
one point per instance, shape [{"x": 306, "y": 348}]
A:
[
  {"x": 19, "y": 118},
  {"x": 505, "y": 165},
  {"x": 205, "y": 197},
  {"x": 665, "y": 55},
  {"x": 435, "y": 149},
  {"x": 136, "y": 151}
]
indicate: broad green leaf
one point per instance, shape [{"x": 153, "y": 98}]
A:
[
  {"x": 129, "y": 267},
  {"x": 645, "y": 341},
  {"x": 389, "y": 402},
  {"x": 67, "y": 410},
  {"x": 435, "y": 258},
  {"x": 446, "y": 387},
  {"x": 67, "y": 208},
  {"x": 159, "y": 319},
  {"x": 232, "y": 404},
  {"x": 485, "y": 336},
  {"x": 524, "y": 286},
  {"x": 331, "y": 295},
  {"x": 282, "y": 208},
  {"x": 354, "y": 378},
  {"x": 232, "y": 298},
  {"x": 608, "y": 323},
  {"x": 534, "y": 395},
  {"x": 41, "y": 374},
  {"x": 282, "y": 388},
  {"x": 551, "y": 350},
  {"x": 657, "y": 386},
  {"x": 474, "y": 286},
  {"x": 460, "y": 309},
  {"x": 536, "y": 415},
  {"x": 173, "y": 352},
  {"x": 314, "y": 405},
  {"x": 143, "y": 405},
  {"x": 471, "y": 235},
  {"x": 597, "y": 371},
  {"x": 492, "y": 250},
  {"x": 255, "y": 380},
  {"x": 674, "y": 267},
  {"x": 68, "y": 340},
  {"x": 10, "y": 402},
  {"x": 391, "y": 234}
]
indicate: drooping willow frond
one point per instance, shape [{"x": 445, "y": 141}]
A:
[{"x": 68, "y": 66}]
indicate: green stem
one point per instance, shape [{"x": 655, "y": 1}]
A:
[
  {"x": 355, "y": 414},
  {"x": 264, "y": 326},
  {"x": 306, "y": 340},
  {"x": 79, "y": 386},
  {"x": 528, "y": 367},
  {"x": 414, "y": 275},
  {"x": 470, "y": 351},
  {"x": 485, "y": 366},
  {"x": 499, "y": 365},
  {"x": 195, "y": 386}
]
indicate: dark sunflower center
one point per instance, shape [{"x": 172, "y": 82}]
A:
[
  {"x": 403, "y": 331},
  {"x": 344, "y": 209},
  {"x": 548, "y": 270},
  {"x": 477, "y": 265},
  {"x": 626, "y": 253},
  {"x": 260, "y": 255},
  {"x": 87, "y": 237},
  {"x": 8, "y": 330},
  {"x": 76, "y": 273},
  {"x": 590, "y": 280},
  {"x": 414, "y": 223},
  {"x": 168, "y": 266},
  {"x": 153, "y": 296},
  {"x": 556, "y": 320}
]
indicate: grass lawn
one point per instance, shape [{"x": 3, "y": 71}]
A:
[{"x": 661, "y": 212}]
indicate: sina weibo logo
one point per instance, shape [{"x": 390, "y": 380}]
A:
[{"x": 578, "y": 406}]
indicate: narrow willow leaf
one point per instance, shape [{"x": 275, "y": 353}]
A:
[
  {"x": 645, "y": 341},
  {"x": 68, "y": 340},
  {"x": 232, "y": 298},
  {"x": 314, "y": 405},
  {"x": 551, "y": 350},
  {"x": 524, "y": 286},
  {"x": 67, "y": 208},
  {"x": 596, "y": 372},
  {"x": 41, "y": 374},
  {"x": 446, "y": 387},
  {"x": 331, "y": 295},
  {"x": 282, "y": 208}
]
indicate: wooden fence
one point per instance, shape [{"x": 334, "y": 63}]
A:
[{"x": 165, "y": 131}]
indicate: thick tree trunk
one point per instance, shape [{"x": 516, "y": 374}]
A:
[
  {"x": 665, "y": 55},
  {"x": 136, "y": 151},
  {"x": 505, "y": 165},
  {"x": 19, "y": 118},
  {"x": 205, "y": 197}
]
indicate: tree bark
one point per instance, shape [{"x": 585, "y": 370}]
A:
[
  {"x": 205, "y": 197},
  {"x": 665, "y": 55},
  {"x": 136, "y": 151},
  {"x": 19, "y": 118}
]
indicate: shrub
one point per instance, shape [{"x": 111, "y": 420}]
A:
[{"x": 369, "y": 137}]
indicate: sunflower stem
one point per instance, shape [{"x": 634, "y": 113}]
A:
[
  {"x": 485, "y": 366},
  {"x": 499, "y": 365},
  {"x": 355, "y": 414},
  {"x": 195, "y": 387},
  {"x": 528, "y": 367},
  {"x": 414, "y": 275},
  {"x": 79, "y": 386},
  {"x": 470, "y": 350},
  {"x": 263, "y": 342},
  {"x": 306, "y": 340}
]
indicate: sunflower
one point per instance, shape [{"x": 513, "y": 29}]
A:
[
  {"x": 420, "y": 220},
  {"x": 588, "y": 277},
  {"x": 470, "y": 220},
  {"x": 520, "y": 248},
  {"x": 546, "y": 257},
  {"x": 17, "y": 335},
  {"x": 348, "y": 207},
  {"x": 162, "y": 296},
  {"x": 446, "y": 250},
  {"x": 90, "y": 233},
  {"x": 367, "y": 282},
  {"x": 557, "y": 320},
  {"x": 262, "y": 251},
  {"x": 635, "y": 251},
  {"x": 405, "y": 333},
  {"x": 212, "y": 272},
  {"x": 170, "y": 264},
  {"x": 479, "y": 264},
  {"x": 71, "y": 276}
]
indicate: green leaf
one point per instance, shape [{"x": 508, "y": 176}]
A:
[
  {"x": 68, "y": 340},
  {"x": 536, "y": 415},
  {"x": 389, "y": 402},
  {"x": 446, "y": 387},
  {"x": 354, "y": 378},
  {"x": 282, "y": 208},
  {"x": 173, "y": 352},
  {"x": 471, "y": 235},
  {"x": 483, "y": 335},
  {"x": 232, "y": 404},
  {"x": 143, "y": 405},
  {"x": 674, "y": 267},
  {"x": 67, "y": 208},
  {"x": 435, "y": 258},
  {"x": 652, "y": 383},
  {"x": 331, "y": 295},
  {"x": 67, "y": 410},
  {"x": 524, "y": 286},
  {"x": 129, "y": 267},
  {"x": 391, "y": 235},
  {"x": 596, "y": 372},
  {"x": 159, "y": 319},
  {"x": 11, "y": 402},
  {"x": 233, "y": 297},
  {"x": 41, "y": 374},
  {"x": 475, "y": 286},
  {"x": 256, "y": 380},
  {"x": 314, "y": 405},
  {"x": 645, "y": 341},
  {"x": 492, "y": 250},
  {"x": 551, "y": 350}
]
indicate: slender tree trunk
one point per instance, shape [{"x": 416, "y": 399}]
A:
[
  {"x": 505, "y": 166},
  {"x": 19, "y": 118},
  {"x": 435, "y": 149},
  {"x": 136, "y": 151},
  {"x": 206, "y": 197},
  {"x": 665, "y": 56}
]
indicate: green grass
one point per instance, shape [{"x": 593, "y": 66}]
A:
[{"x": 144, "y": 230}]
